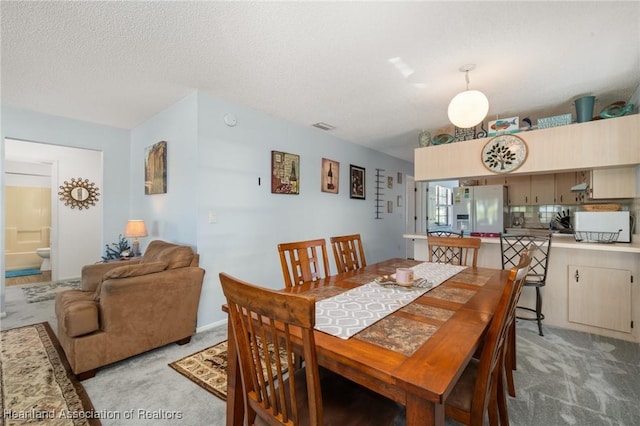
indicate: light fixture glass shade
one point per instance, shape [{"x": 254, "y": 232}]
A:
[
  {"x": 135, "y": 228},
  {"x": 468, "y": 108}
]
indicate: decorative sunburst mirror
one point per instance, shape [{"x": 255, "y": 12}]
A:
[{"x": 79, "y": 193}]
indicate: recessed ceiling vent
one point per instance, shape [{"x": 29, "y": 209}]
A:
[{"x": 323, "y": 126}]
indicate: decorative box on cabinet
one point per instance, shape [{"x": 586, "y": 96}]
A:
[{"x": 600, "y": 297}]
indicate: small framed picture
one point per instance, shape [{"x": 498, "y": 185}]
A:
[
  {"x": 389, "y": 206},
  {"x": 504, "y": 125},
  {"x": 399, "y": 200},
  {"x": 357, "y": 182},
  {"x": 389, "y": 181},
  {"x": 285, "y": 173},
  {"x": 399, "y": 178},
  {"x": 330, "y": 176}
]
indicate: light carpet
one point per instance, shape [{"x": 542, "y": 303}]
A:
[
  {"x": 47, "y": 291},
  {"x": 37, "y": 385}
]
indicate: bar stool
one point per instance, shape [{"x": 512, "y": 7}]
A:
[{"x": 511, "y": 246}]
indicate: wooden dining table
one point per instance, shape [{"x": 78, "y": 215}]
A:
[{"x": 414, "y": 355}]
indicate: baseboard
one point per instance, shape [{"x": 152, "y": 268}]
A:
[{"x": 211, "y": 326}]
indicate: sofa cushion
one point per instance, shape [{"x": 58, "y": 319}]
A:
[
  {"x": 126, "y": 271},
  {"x": 80, "y": 317},
  {"x": 176, "y": 256},
  {"x": 135, "y": 270}
]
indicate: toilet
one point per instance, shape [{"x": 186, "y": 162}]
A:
[{"x": 45, "y": 254}]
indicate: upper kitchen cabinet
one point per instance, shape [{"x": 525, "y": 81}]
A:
[
  {"x": 542, "y": 189},
  {"x": 532, "y": 190},
  {"x": 519, "y": 190},
  {"x": 592, "y": 145},
  {"x": 613, "y": 183},
  {"x": 563, "y": 184}
]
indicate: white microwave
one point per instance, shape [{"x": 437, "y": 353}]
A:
[{"x": 604, "y": 222}]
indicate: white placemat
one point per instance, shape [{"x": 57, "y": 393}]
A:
[{"x": 350, "y": 312}]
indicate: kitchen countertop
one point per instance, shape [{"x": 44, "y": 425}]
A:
[{"x": 565, "y": 241}]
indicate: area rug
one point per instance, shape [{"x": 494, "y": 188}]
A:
[
  {"x": 37, "y": 385},
  {"x": 47, "y": 291},
  {"x": 208, "y": 368},
  {"x": 22, "y": 273}
]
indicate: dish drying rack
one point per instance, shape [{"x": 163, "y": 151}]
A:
[{"x": 596, "y": 236}]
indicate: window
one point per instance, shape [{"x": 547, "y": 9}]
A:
[{"x": 443, "y": 205}]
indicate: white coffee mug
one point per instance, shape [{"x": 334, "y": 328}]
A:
[{"x": 404, "y": 275}]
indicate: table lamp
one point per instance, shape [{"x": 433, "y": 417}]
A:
[{"x": 135, "y": 229}]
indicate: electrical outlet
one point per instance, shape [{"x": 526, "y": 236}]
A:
[{"x": 213, "y": 218}]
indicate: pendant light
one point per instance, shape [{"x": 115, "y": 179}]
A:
[{"x": 470, "y": 107}]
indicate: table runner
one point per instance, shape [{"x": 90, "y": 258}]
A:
[{"x": 348, "y": 313}]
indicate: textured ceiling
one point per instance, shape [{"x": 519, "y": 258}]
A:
[{"x": 119, "y": 63}]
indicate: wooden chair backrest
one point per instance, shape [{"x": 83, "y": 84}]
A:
[
  {"x": 491, "y": 358},
  {"x": 445, "y": 234},
  {"x": 262, "y": 321},
  {"x": 456, "y": 251},
  {"x": 348, "y": 252},
  {"x": 301, "y": 261}
]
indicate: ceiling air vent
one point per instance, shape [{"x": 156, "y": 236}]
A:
[{"x": 323, "y": 126}]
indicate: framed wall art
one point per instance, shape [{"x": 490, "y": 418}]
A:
[
  {"x": 357, "y": 182},
  {"x": 285, "y": 173},
  {"x": 330, "y": 177},
  {"x": 155, "y": 169}
]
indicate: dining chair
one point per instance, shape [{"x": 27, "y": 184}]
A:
[
  {"x": 511, "y": 246},
  {"x": 456, "y": 251},
  {"x": 303, "y": 261},
  {"x": 272, "y": 394},
  {"x": 348, "y": 252},
  {"x": 481, "y": 385},
  {"x": 452, "y": 234}
]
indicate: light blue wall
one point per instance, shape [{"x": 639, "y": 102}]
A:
[
  {"x": 112, "y": 142},
  {"x": 251, "y": 221},
  {"x": 215, "y": 168},
  {"x": 170, "y": 216}
]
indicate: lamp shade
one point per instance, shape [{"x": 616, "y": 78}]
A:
[
  {"x": 468, "y": 108},
  {"x": 135, "y": 229}
]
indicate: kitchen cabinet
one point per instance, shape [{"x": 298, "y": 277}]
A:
[
  {"x": 613, "y": 183},
  {"x": 600, "y": 297},
  {"x": 563, "y": 183},
  {"x": 542, "y": 189},
  {"x": 493, "y": 180},
  {"x": 594, "y": 144},
  {"x": 519, "y": 190}
]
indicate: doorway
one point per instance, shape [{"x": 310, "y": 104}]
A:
[{"x": 28, "y": 218}]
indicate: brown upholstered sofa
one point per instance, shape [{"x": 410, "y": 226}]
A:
[{"x": 126, "y": 308}]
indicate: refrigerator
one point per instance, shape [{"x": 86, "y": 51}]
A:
[{"x": 481, "y": 209}]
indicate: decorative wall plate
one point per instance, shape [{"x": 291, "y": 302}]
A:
[
  {"x": 504, "y": 153},
  {"x": 79, "y": 193}
]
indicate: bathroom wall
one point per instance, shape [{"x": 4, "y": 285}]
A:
[{"x": 28, "y": 213}]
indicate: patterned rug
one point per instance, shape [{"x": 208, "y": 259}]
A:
[
  {"x": 208, "y": 368},
  {"x": 47, "y": 291},
  {"x": 37, "y": 385}
]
